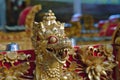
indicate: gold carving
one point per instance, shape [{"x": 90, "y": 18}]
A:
[
  {"x": 116, "y": 43},
  {"x": 97, "y": 67},
  {"x": 117, "y": 40},
  {"x": 30, "y": 18},
  {"x": 13, "y": 57},
  {"x": 15, "y": 72},
  {"x": 51, "y": 47}
]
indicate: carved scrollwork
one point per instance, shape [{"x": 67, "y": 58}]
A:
[
  {"x": 13, "y": 56},
  {"x": 15, "y": 72},
  {"x": 92, "y": 63},
  {"x": 116, "y": 43}
]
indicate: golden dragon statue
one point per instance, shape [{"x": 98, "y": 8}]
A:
[
  {"x": 53, "y": 50},
  {"x": 56, "y": 58}
]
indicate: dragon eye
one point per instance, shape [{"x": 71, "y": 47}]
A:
[{"x": 52, "y": 39}]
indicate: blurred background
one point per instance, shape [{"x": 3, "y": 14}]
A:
[
  {"x": 86, "y": 21},
  {"x": 99, "y": 9}
]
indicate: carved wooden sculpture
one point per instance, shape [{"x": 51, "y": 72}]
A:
[
  {"x": 14, "y": 65},
  {"x": 56, "y": 59},
  {"x": 116, "y": 43},
  {"x": 51, "y": 48},
  {"x": 92, "y": 62}
]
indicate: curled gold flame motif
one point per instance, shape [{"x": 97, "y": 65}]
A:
[
  {"x": 98, "y": 67},
  {"x": 15, "y": 72}
]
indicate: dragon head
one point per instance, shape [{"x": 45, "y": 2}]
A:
[{"x": 49, "y": 37}]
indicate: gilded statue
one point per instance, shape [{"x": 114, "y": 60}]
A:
[
  {"x": 56, "y": 59},
  {"x": 51, "y": 48}
]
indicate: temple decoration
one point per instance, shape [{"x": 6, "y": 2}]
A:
[
  {"x": 15, "y": 72},
  {"x": 30, "y": 19},
  {"x": 51, "y": 48},
  {"x": 74, "y": 30},
  {"x": 98, "y": 62},
  {"x": 116, "y": 36},
  {"x": 116, "y": 43},
  {"x": 56, "y": 59},
  {"x": 92, "y": 63},
  {"x": 12, "y": 57},
  {"x": 16, "y": 65},
  {"x": 117, "y": 40}
]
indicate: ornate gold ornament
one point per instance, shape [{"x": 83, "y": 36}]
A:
[
  {"x": 14, "y": 72},
  {"x": 53, "y": 50},
  {"x": 116, "y": 43},
  {"x": 13, "y": 56},
  {"x": 30, "y": 18},
  {"x": 97, "y": 67},
  {"x": 51, "y": 47}
]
